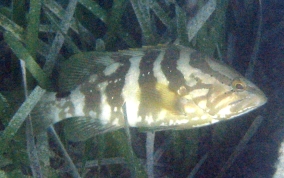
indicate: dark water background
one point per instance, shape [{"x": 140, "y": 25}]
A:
[{"x": 183, "y": 149}]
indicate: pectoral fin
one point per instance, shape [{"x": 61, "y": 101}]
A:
[{"x": 174, "y": 102}]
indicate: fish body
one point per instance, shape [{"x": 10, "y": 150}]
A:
[{"x": 161, "y": 88}]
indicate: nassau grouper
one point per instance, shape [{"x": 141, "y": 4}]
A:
[{"x": 162, "y": 88}]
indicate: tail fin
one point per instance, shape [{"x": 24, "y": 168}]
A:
[
  {"x": 72, "y": 72},
  {"x": 45, "y": 113},
  {"x": 51, "y": 110}
]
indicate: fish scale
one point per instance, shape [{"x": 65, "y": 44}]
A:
[{"x": 172, "y": 87}]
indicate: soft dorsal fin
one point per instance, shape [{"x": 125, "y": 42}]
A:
[{"x": 79, "y": 67}]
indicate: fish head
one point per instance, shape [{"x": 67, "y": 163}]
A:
[
  {"x": 238, "y": 98},
  {"x": 220, "y": 92}
]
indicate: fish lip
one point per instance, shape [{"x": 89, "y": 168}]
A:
[
  {"x": 237, "y": 101},
  {"x": 260, "y": 102}
]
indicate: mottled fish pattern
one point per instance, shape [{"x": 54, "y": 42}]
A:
[{"x": 168, "y": 87}]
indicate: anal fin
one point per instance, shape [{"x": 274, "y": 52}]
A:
[{"x": 82, "y": 128}]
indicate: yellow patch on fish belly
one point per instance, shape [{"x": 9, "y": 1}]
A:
[{"x": 168, "y": 98}]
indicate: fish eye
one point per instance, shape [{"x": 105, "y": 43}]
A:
[{"x": 238, "y": 84}]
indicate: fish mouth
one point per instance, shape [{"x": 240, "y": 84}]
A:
[
  {"x": 248, "y": 103},
  {"x": 238, "y": 101}
]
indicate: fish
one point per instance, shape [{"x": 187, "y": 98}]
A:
[{"x": 160, "y": 88}]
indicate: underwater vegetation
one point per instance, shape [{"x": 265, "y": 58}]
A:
[{"x": 46, "y": 46}]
